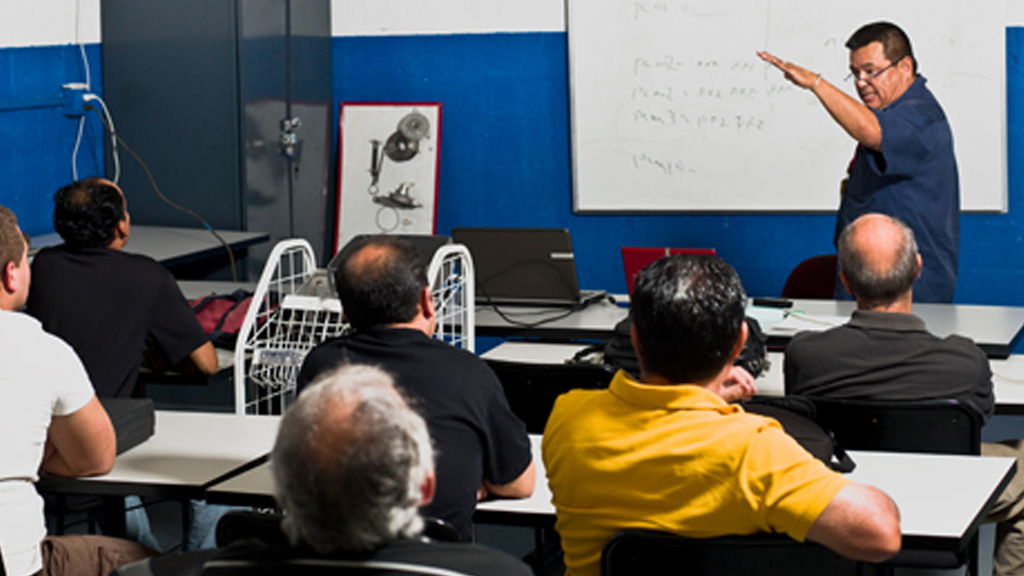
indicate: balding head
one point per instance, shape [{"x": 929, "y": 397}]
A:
[
  {"x": 380, "y": 281},
  {"x": 352, "y": 463},
  {"x": 878, "y": 259}
]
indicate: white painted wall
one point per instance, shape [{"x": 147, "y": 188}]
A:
[
  {"x": 56, "y": 22},
  {"x": 1015, "y": 13},
  {"x": 399, "y": 17},
  {"x": 48, "y": 22}
]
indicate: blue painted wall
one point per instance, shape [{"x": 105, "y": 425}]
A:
[
  {"x": 37, "y": 138},
  {"x": 505, "y": 158}
]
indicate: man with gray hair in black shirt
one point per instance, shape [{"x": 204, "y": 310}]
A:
[{"x": 352, "y": 465}]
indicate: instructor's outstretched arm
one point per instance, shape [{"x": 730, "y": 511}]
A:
[{"x": 857, "y": 119}]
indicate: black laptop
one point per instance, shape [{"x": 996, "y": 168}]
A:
[{"x": 524, "y": 266}]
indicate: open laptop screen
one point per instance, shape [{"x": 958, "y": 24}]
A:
[{"x": 534, "y": 266}]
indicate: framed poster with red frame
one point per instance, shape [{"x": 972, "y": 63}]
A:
[{"x": 388, "y": 154}]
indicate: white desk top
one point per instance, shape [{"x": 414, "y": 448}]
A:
[
  {"x": 994, "y": 328},
  {"x": 920, "y": 484},
  {"x": 939, "y": 496},
  {"x": 188, "y": 451},
  {"x": 768, "y": 384},
  {"x": 532, "y": 352},
  {"x": 254, "y": 487},
  {"x": 1007, "y": 374},
  {"x": 595, "y": 321},
  {"x": 171, "y": 246},
  {"x": 1008, "y": 382}
]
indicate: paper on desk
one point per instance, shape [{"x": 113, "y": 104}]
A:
[{"x": 794, "y": 322}]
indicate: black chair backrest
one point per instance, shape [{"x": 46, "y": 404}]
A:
[
  {"x": 651, "y": 552},
  {"x": 249, "y": 524},
  {"x": 531, "y": 389},
  {"x": 316, "y": 567},
  {"x": 266, "y": 527},
  {"x": 941, "y": 426}
]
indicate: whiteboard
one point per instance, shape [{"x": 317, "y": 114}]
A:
[{"x": 672, "y": 110}]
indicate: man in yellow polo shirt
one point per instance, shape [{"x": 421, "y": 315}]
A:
[{"x": 668, "y": 452}]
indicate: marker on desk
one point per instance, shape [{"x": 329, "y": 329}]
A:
[{"x": 772, "y": 302}]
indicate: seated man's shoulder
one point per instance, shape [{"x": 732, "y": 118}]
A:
[
  {"x": 128, "y": 266},
  {"x": 962, "y": 357},
  {"x": 817, "y": 337},
  {"x": 965, "y": 345},
  {"x": 140, "y": 262}
]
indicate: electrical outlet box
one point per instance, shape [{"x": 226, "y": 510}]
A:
[{"x": 74, "y": 99}]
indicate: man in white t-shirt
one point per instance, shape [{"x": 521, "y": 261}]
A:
[{"x": 50, "y": 421}]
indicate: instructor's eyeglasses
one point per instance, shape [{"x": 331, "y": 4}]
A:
[{"x": 868, "y": 77}]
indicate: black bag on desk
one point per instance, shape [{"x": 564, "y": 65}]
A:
[
  {"x": 619, "y": 353},
  {"x": 133, "y": 419}
]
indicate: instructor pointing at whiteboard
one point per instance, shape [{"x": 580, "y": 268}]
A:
[{"x": 904, "y": 164}]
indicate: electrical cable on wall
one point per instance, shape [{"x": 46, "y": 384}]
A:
[
  {"x": 109, "y": 123},
  {"x": 152, "y": 180},
  {"x": 74, "y": 151},
  {"x": 88, "y": 89}
]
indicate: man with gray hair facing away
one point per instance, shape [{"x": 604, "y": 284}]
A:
[
  {"x": 352, "y": 464},
  {"x": 886, "y": 353}
]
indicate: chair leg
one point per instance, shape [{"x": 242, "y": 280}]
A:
[
  {"x": 546, "y": 545},
  {"x": 973, "y": 554},
  {"x": 113, "y": 510}
]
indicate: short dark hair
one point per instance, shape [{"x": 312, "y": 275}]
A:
[
  {"x": 12, "y": 242},
  {"x": 688, "y": 311},
  {"x": 874, "y": 287},
  {"x": 86, "y": 213},
  {"x": 895, "y": 42},
  {"x": 382, "y": 290}
]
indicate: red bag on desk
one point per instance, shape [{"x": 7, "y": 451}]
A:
[{"x": 221, "y": 315}]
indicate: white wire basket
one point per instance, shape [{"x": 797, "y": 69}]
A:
[
  {"x": 291, "y": 312},
  {"x": 452, "y": 283},
  {"x": 293, "y": 309}
]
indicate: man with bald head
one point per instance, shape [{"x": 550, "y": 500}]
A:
[
  {"x": 483, "y": 448},
  {"x": 886, "y": 353},
  {"x": 109, "y": 305}
]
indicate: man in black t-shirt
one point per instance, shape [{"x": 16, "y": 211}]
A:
[
  {"x": 111, "y": 306},
  {"x": 483, "y": 448}
]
